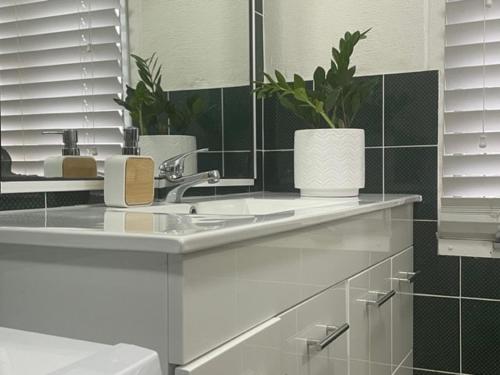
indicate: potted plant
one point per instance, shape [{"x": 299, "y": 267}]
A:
[
  {"x": 329, "y": 157},
  {"x": 162, "y": 124}
]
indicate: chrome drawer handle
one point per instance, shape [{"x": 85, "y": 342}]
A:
[
  {"x": 332, "y": 334},
  {"x": 409, "y": 277},
  {"x": 382, "y": 297}
]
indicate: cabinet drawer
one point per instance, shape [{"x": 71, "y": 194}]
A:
[
  {"x": 402, "y": 307},
  {"x": 370, "y": 295},
  {"x": 310, "y": 339}
]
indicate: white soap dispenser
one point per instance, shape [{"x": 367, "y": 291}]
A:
[
  {"x": 70, "y": 164},
  {"x": 129, "y": 178}
]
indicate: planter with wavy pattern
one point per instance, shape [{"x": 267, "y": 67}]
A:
[{"x": 330, "y": 162}]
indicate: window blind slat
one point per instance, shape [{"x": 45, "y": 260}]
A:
[
  {"x": 472, "y": 121},
  {"x": 61, "y": 89},
  {"x": 23, "y": 10},
  {"x": 474, "y": 165},
  {"x": 71, "y": 22},
  {"x": 473, "y": 33},
  {"x": 472, "y": 100},
  {"x": 105, "y": 135},
  {"x": 58, "y": 56},
  {"x": 41, "y": 152},
  {"x": 62, "y": 121},
  {"x": 470, "y": 11},
  {"x": 95, "y": 103},
  {"x": 473, "y": 77},
  {"x": 65, "y": 39},
  {"x": 472, "y": 55},
  {"x": 54, "y": 73},
  {"x": 468, "y": 188},
  {"x": 468, "y": 144}
]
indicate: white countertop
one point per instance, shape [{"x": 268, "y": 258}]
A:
[{"x": 98, "y": 227}]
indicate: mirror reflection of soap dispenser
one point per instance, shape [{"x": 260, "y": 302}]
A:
[
  {"x": 70, "y": 164},
  {"x": 129, "y": 178}
]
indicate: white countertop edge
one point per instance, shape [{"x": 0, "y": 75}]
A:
[
  {"x": 158, "y": 243},
  {"x": 197, "y": 242}
]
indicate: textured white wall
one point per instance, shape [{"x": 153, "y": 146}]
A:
[
  {"x": 201, "y": 43},
  {"x": 407, "y": 35}
]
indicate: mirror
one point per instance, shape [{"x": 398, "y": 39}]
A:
[{"x": 63, "y": 64}]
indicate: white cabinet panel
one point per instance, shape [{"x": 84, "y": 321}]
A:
[
  {"x": 286, "y": 345},
  {"x": 370, "y": 296},
  {"x": 402, "y": 306},
  {"x": 239, "y": 286}
]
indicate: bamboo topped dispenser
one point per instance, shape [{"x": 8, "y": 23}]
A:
[
  {"x": 70, "y": 164},
  {"x": 129, "y": 178}
]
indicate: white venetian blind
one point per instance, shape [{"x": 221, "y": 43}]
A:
[
  {"x": 471, "y": 160},
  {"x": 60, "y": 68}
]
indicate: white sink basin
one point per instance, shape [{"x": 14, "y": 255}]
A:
[
  {"x": 253, "y": 206},
  {"x": 243, "y": 206}
]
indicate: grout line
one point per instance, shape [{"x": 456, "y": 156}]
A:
[
  {"x": 432, "y": 371},
  {"x": 402, "y": 361},
  {"x": 383, "y": 134},
  {"x": 392, "y": 282},
  {"x": 348, "y": 320},
  {"x": 227, "y": 152},
  {"x": 412, "y": 146},
  {"x": 451, "y": 297},
  {"x": 430, "y": 295},
  {"x": 278, "y": 150},
  {"x": 460, "y": 310},
  {"x": 366, "y": 148},
  {"x": 223, "y": 140}
]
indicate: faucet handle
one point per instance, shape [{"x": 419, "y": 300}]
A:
[{"x": 175, "y": 165}]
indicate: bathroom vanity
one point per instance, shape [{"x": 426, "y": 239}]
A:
[{"x": 264, "y": 284}]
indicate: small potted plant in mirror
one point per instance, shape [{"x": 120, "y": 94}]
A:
[
  {"x": 162, "y": 124},
  {"x": 330, "y": 156}
]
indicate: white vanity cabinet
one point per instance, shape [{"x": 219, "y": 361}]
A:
[
  {"x": 403, "y": 276},
  {"x": 310, "y": 339},
  {"x": 370, "y": 295},
  {"x": 360, "y": 326},
  {"x": 226, "y": 296}
]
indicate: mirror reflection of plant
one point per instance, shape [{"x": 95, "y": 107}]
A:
[
  {"x": 337, "y": 95},
  {"x": 149, "y": 105}
]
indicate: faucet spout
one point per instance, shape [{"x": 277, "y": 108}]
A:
[
  {"x": 172, "y": 170},
  {"x": 185, "y": 182}
]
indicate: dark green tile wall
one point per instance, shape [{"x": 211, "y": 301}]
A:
[
  {"x": 436, "y": 332},
  {"x": 370, "y": 117},
  {"x": 226, "y": 129},
  {"x": 480, "y": 337}
]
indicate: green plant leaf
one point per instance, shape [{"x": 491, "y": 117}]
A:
[
  {"x": 298, "y": 82},
  {"x": 319, "y": 77}
]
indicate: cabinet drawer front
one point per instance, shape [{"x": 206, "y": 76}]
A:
[
  {"x": 308, "y": 339},
  {"x": 403, "y": 276},
  {"x": 370, "y": 300},
  {"x": 239, "y": 286}
]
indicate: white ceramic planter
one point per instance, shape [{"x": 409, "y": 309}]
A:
[
  {"x": 330, "y": 162},
  {"x": 163, "y": 147}
]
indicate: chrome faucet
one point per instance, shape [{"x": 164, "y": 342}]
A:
[{"x": 172, "y": 171}]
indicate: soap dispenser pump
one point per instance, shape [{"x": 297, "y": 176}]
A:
[
  {"x": 69, "y": 164},
  {"x": 129, "y": 178}
]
